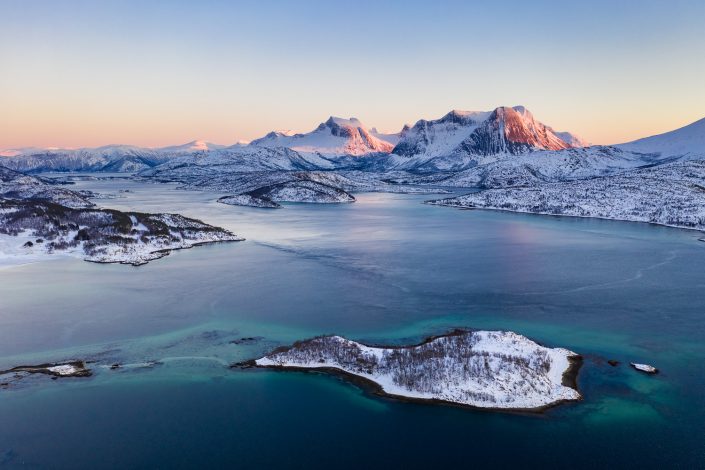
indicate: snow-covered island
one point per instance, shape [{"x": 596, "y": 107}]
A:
[
  {"x": 267, "y": 190},
  {"x": 646, "y": 368},
  {"x": 482, "y": 369}
]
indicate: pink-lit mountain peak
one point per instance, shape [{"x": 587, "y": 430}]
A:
[{"x": 334, "y": 137}]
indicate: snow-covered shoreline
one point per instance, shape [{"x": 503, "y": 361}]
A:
[
  {"x": 36, "y": 231},
  {"x": 548, "y": 214},
  {"x": 480, "y": 369},
  {"x": 670, "y": 195}
]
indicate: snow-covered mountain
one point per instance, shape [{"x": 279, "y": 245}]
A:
[
  {"x": 462, "y": 139},
  {"x": 20, "y": 151},
  {"x": 18, "y": 186},
  {"x": 658, "y": 180},
  {"x": 112, "y": 158},
  {"x": 108, "y": 158},
  {"x": 190, "y": 148},
  {"x": 687, "y": 143},
  {"x": 499, "y": 147},
  {"x": 334, "y": 138},
  {"x": 222, "y": 163}
]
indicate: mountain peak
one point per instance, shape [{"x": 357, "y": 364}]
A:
[
  {"x": 514, "y": 131},
  {"x": 505, "y": 130},
  {"x": 337, "y": 121},
  {"x": 459, "y": 116},
  {"x": 334, "y": 137}
]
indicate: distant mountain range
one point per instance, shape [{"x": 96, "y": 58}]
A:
[
  {"x": 519, "y": 163},
  {"x": 458, "y": 141}
]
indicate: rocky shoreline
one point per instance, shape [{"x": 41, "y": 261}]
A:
[{"x": 55, "y": 370}]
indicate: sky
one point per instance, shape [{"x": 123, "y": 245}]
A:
[{"x": 156, "y": 73}]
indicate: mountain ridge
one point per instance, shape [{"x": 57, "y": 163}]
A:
[{"x": 457, "y": 141}]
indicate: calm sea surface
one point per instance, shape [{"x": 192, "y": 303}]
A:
[{"x": 385, "y": 269}]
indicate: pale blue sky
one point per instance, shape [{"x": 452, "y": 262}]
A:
[{"x": 163, "y": 72}]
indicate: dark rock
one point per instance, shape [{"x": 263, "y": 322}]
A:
[
  {"x": 249, "y": 364},
  {"x": 247, "y": 340}
]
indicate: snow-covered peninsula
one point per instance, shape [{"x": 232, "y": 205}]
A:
[
  {"x": 483, "y": 369},
  {"x": 37, "y": 230},
  {"x": 40, "y": 219}
]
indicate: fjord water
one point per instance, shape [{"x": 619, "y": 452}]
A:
[{"x": 386, "y": 269}]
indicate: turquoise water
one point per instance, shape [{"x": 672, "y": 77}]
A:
[{"x": 385, "y": 269}]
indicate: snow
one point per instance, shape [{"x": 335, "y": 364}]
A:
[
  {"x": 644, "y": 368},
  {"x": 572, "y": 139},
  {"x": 391, "y": 137},
  {"x": 63, "y": 369},
  {"x": 488, "y": 369},
  {"x": 137, "y": 225},
  {"x": 688, "y": 141},
  {"x": 14, "y": 253}
]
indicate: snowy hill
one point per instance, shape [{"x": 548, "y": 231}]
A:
[
  {"x": 687, "y": 142},
  {"x": 333, "y": 138},
  {"x": 190, "y": 148},
  {"x": 18, "y": 186}
]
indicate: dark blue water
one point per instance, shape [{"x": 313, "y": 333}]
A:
[{"x": 385, "y": 269}]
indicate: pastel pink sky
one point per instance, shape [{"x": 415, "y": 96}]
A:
[{"x": 79, "y": 74}]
